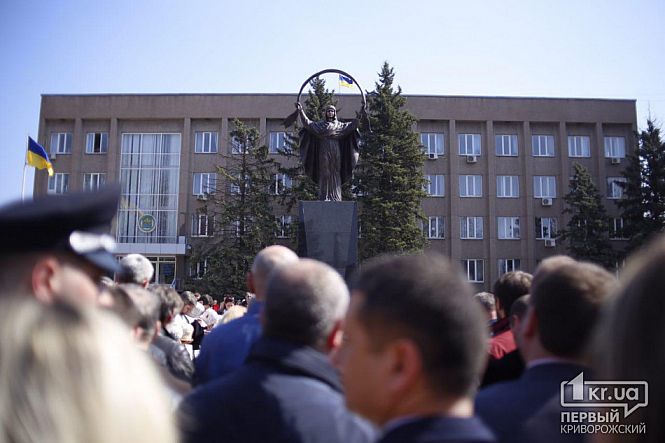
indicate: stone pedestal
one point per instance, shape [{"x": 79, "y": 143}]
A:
[{"x": 329, "y": 233}]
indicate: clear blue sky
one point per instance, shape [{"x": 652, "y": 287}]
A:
[{"x": 563, "y": 48}]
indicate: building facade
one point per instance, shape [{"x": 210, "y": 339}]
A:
[{"x": 497, "y": 167}]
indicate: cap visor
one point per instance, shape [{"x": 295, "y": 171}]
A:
[{"x": 103, "y": 260}]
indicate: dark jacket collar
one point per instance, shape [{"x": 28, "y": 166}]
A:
[
  {"x": 440, "y": 429},
  {"x": 553, "y": 370},
  {"x": 296, "y": 359}
]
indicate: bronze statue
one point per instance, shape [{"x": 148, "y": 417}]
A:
[
  {"x": 329, "y": 148},
  {"x": 329, "y": 151}
]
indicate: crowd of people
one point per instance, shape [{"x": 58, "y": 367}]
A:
[{"x": 403, "y": 352}]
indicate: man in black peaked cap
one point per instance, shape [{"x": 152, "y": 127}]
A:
[{"x": 58, "y": 247}]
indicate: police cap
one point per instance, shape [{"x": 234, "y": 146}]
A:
[{"x": 76, "y": 222}]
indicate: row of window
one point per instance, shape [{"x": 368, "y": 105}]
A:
[
  {"x": 204, "y": 143},
  {"x": 508, "y": 186},
  {"x": 474, "y": 268},
  {"x": 506, "y": 145},
  {"x": 206, "y": 183},
  {"x": 203, "y": 226},
  {"x": 508, "y": 228},
  {"x": 433, "y": 144}
]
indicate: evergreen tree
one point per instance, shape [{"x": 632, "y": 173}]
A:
[
  {"x": 587, "y": 231},
  {"x": 242, "y": 207},
  {"x": 643, "y": 202},
  {"x": 389, "y": 177}
]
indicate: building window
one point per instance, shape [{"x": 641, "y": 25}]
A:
[
  {"x": 615, "y": 147},
  {"x": 237, "y": 146},
  {"x": 509, "y": 265},
  {"x": 469, "y": 144},
  {"x": 615, "y": 187},
  {"x": 432, "y": 142},
  {"x": 544, "y": 186},
  {"x": 282, "y": 184},
  {"x": 506, "y": 145},
  {"x": 542, "y": 145},
  {"x": 617, "y": 231},
  {"x": 58, "y": 183},
  {"x": 202, "y": 225},
  {"x": 508, "y": 228},
  {"x": 435, "y": 225},
  {"x": 470, "y": 185},
  {"x": 474, "y": 270},
  {"x": 61, "y": 143},
  {"x": 471, "y": 228},
  {"x": 204, "y": 182},
  {"x": 545, "y": 228},
  {"x": 205, "y": 142},
  {"x": 507, "y": 186},
  {"x": 579, "y": 146},
  {"x": 150, "y": 181},
  {"x": 97, "y": 143},
  {"x": 93, "y": 181},
  {"x": 199, "y": 269},
  {"x": 277, "y": 142},
  {"x": 283, "y": 226},
  {"x": 434, "y": 186}
]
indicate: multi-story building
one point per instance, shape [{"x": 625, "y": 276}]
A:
[{"x": 497, "y": 167}]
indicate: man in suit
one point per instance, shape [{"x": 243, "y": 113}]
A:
[
  {"x": 414, "y": 349},
  {"x": 287, "y": 391},
  {"x": 225, "y": 348},
  {"x": 566, "y": 298}
]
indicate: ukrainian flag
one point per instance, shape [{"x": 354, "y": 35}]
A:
[
  {"x": 37, "y": 156},
  {"x": 345, "y": 81}
]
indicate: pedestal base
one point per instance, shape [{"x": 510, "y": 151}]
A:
[{"x": 329, "y": 233}]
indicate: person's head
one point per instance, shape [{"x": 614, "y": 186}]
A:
[
  {"x": 189, "y": 302},
  {"x": 135, "y": 269},
  {"x": 169, "y": 301},
  {"x": 631, "y": 336},
  {"x": 205, "y": 300},
  {"x": 564, "y": 307},
  {"x": 305, "y": 304},
  {"x": 265, "y": 261},
  {"x": 517, "y": 315},
  {"x": 144, "y": 315},
  {"x": 235, "y": 311},
  {"x": 72, "y": 374},
  {"x": 331, "y": 113},
  {"x": 488, "y": 303},
  {"x": 508, "y": 288},
  {"x": 55, "y": 246},
  {"x": 413, "y": 335}
]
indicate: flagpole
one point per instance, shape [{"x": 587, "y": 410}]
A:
[{"x": 25, "y": 166}]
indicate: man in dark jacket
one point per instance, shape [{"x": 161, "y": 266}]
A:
[
  {"x": 287, "y": 391},
  {"x": 414, "y": 348},
  {"x": 563, "y": 309},
  {"x": 226, "y": 347}
]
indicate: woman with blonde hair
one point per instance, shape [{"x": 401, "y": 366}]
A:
[{"x": 72, "y": 374}]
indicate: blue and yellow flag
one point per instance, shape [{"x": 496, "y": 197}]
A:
[
  {"x": 345, "y": 81},
  {"x": 38, "y": 157}
]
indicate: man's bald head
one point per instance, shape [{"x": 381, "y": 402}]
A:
[
  {"x": 304, "y": 302},
  {"x": 264, "y": 263}
]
